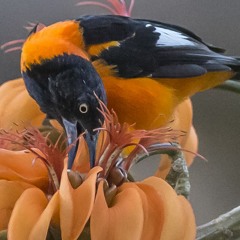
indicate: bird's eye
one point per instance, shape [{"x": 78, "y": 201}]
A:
[{"x": 83, "y": 108}]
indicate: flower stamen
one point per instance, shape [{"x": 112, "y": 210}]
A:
[
  {"x": 32, "y": 140},
  {"x": 121, "y": 146},
  {"x": 119, "y": 7}
]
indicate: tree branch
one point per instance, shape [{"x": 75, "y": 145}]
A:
[{"x": 226, "y": 226}]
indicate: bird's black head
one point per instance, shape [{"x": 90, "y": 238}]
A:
[{"x": 66, "y": 88}]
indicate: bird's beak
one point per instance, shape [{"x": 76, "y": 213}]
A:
[
  {"x": 72, "y": 138},
  {"x": 91, "y": 140},
  {"x": 73, "y": 133}
]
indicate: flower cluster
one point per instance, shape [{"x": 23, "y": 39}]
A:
[{"x": 40, "y": 199}]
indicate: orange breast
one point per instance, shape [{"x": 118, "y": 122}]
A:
[{"x": 143, "y": 101}]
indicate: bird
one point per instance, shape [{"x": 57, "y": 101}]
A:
[{"x": 140, "y": 68}]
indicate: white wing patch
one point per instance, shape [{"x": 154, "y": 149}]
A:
[{"x": 171, "y": 38}]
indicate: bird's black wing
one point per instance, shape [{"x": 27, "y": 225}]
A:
[{"x": 150, "y": 48}]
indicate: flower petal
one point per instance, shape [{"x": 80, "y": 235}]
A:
[
  {"x": 16, "y": 106},
  {"x": 76, "y": 204},
  {"x": 21, "y": 166},
  {"x": 26, "y": 213},
  {"x": 189, "y": 220},
  {"x": 124, "y": 219},
  {"x": 10, "y": 191},
  {"x": 178, "y": 214},
  {"x": 41, "y": 227},
  {"x": 153, "y": 213}
]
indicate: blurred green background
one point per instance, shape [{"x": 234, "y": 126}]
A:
[{"x": 215, "y": 184}]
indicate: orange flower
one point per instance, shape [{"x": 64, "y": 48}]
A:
[
  {"x": 67, "y": 211},
  {"x": 17, "y": 107},
  {"x": 31, "y": 200},
  {"x": 34, "y": 205},
  {"x": 136, "y": 210},
  {"x": 146, "y": 210}
]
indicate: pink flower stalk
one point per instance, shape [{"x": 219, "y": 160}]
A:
[
  {"x": 119, "y": 7},
  {"x": 10, "y": 46}
]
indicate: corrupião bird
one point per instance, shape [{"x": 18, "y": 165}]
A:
[{"x": 146, "y": 67}]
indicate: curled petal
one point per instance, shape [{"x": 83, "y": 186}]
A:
[
  {"x": 152, "y": 206},
  {"x": 50, "y": 214},
  {"x": 177, "y": 212},
  {"x": 76, "y": 204},
  {"x": 10, "y": 191},
  {"x": 26, "y": 213},
  {"x": 23, "y": 166},
  {"x": 153, "y": 213},
  {"x": 124, "y": 219},
  {"x": 16, "y": 106},
  {"x": 189, "y": 219}
]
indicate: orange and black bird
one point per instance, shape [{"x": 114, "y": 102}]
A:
[{"x": 145, "y": 68}]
